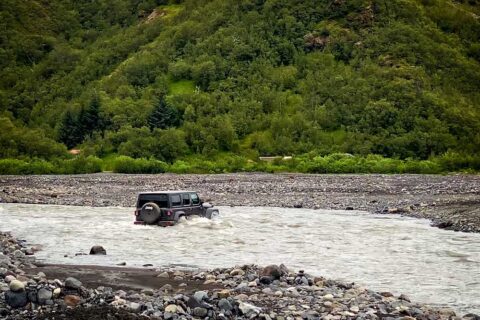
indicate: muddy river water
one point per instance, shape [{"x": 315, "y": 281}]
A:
[{"x": 384, "y": 253}]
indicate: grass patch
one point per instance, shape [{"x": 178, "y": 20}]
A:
[
  {"x": 181, "y": 87},
  {"x": 170, "y": 10}
]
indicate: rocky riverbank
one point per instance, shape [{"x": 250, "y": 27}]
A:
[
  {"x": 246, "y": 292},
  {"x": 451, "y": 202}
]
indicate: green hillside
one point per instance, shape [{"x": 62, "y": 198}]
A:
[{"x": 177, "y": 80}]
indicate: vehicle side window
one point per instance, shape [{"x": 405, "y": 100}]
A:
[
  {"x": 195, "y": 199},
  {"x": 176, "y": 201},
  {"x": 186, "y": 199}
]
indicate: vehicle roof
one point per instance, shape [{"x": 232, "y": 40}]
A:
[{"x": 168, "y": 192}]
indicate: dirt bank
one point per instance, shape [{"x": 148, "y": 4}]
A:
[{"x": 451, "y": 202}]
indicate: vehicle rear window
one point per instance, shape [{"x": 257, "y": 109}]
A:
[
  {"x": 176, "y": 201},
  {"x": 195, "y": 199},
  {"x": 160, "y": 199}
]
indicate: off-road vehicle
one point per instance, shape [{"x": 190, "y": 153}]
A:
[{"x": 165, "y": 208}]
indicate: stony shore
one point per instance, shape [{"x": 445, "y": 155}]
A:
[
  {"x": 451, "y": 202},
  {"x": 242, "y": 292}
]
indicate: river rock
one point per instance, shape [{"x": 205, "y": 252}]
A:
[
  {"x": 9, "y": 278},
  {"x": 18, "y": 254},
  {"x": 43, "y": 295},
  {"x": 98, "y": 250},
  {"x": 56, "y": 292},
  {"x": 16, "y": 286},
  {"x": 147, "y": 292},
  {"x": 72, "y": 300},
  {"x": 200, "y": 296},
  {"x": 249, "y": 310},
  {"x": 4, "y": 287},
  {"x": 266, "y": 280},
  {"x": 404, "y": 297},
  {"x": 273, "y": 271},
  {"x": 16, "y": 299},
  {"x": 4, "y": 260},
  {"x": 237, "y": 272},
  {"x": 328, "y": 297},
  {"x": 225, "y": 305},
  {"x": 172, "y": 308},
  {"x": 163, "y": 275},
  {"x": 200, "y": 312},
  {"x": 225, "y": 293},
  {"x": 72, "y": 283},
  {"x": 134, "y": 306}
]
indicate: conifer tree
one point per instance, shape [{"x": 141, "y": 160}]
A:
[{"x": 163, "y": 116}]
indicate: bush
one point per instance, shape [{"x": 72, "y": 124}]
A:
[
  {"x": 453, "y": 161},
  {"x": 37, "y": 166},
  {"x": 11, "y": 166},
  {"x": 180, "y": 166},
  {"x": 79, "y": 165},
  {"x": 124, "y": 164}
]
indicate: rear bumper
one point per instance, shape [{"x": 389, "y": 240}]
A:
[{"x": 160, "y": 223}]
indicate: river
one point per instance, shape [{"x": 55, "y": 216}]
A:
[{"x": 384, "y": 253}]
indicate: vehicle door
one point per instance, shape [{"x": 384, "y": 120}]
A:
[
  {"x": 176, "y": 203},
  {"x": 196, "y": 205},
  {"x": 187, "y": 204}
]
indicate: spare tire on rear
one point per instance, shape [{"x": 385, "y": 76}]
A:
[{"x": 150, "y": 212}]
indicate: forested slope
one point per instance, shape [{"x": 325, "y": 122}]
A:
[{"x": 163, "y": 79}]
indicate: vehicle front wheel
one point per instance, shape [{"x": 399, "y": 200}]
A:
[{"x": 211, "y": 214}]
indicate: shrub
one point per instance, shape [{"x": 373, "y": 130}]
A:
[
  {"x": 124, "y": 164},
  {"x": 79, "y": 165},
  {"x": 11, "y": 166}
]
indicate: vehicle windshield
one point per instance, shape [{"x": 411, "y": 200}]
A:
[{"x": 160, "y": 199}]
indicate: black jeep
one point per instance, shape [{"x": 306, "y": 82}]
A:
[{"x": 165, "y": 208}]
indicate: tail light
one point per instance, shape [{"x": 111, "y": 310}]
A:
[
  {"x": 135, "y": 212},
  {"x": 169, "y": 213}
]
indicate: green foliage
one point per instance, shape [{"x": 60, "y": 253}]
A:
[
  {"x": 182, "y": 80},
  {"x": 39, "y": 166},
  {"x": 126, "y": 164},
  {"x": 182, "y": 87},
  {"x": 163, "y": 116},
  {"x": 20, "y": 142}
]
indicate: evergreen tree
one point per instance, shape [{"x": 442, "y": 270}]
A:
[
  {"x": 89, "y": 118},
  {"x": 69, "y": 132},
  {"x": 163, "y": 116}
]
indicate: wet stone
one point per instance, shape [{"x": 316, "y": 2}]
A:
[
  {"x": 16, "y": 299},
  {"x": 43, "y": 295},
  {"x": 72, "y": 283},
  {"x": 200, "y": 312}
]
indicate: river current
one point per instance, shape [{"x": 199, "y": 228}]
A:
[{"x": 384, "y": 253}]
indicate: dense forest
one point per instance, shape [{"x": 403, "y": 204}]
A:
[{"x": 173, "y": 81}]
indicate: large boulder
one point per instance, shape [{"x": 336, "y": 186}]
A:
[
  {"x": 72, "y": 283},
  {"x": 16, "y": 299},
  {"x": 273, "y": 271},
  {"x": 98, "y": 250}
]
